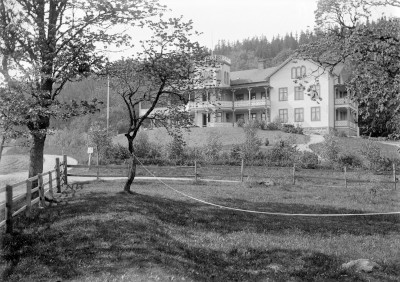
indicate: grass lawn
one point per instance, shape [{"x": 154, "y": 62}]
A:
[
  {"x": 157, "y": 234},
  {"x": 354, "y": 145},
  {"x": 197, "y": 137}
]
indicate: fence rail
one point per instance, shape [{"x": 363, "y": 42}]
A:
[{"x": 12, "y": 202}]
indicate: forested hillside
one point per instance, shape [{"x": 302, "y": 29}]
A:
[{"x": 245, "y": 54}]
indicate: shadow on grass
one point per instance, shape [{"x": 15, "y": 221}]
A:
[{"x": 104, "y": 232}]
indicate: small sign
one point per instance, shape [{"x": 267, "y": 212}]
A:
[{"x": 90, "y": 150}]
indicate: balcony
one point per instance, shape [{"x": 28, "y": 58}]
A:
[
  {"x": 345, "y": 102},
  {"x": 253, "y": 103},
  {"x": 229, "y": 104},
  {"x": 345, "y": 123}
]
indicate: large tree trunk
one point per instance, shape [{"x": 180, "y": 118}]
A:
[{"x": 36, "y": 155}]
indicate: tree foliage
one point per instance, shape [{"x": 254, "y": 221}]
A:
[
  {"x": 46, "y": 43},
  {"x": 164, "y": 74},
  {"x": 371, "y": 52}
]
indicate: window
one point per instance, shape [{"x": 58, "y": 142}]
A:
[
  {"x": 341, "y": 93},
  {"x": 341, "y": 115},
  {"x": 298, "y": 93},
  {"x": 253, "y": 96},
  {"x": 228, "y": 117},
  {"x": 315, "y": 113},
  {"x": 298, "y": 72},
  {"x": 253, "y": 116},
  {"x": 204, "y": 96},
  {"x": 283, "y": 115},
  {"x": 299, "y": 115},
  {"x": 283, "y": 94},
  {"x": 239, "y": 97},
  {"x": 239, "y": 116},
  {"x": 263, "y": 96}
]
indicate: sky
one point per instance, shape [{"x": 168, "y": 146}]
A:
[{"x": 239, "y": 19}]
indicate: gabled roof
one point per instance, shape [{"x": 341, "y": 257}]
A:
[{"x": 250, "y": 76}]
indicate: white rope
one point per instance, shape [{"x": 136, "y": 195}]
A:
[{"x": 262, "y": 212}]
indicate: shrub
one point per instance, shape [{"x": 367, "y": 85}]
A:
[
  {"x": 288, "y": 128},
  {"x": 236, "y": 152},
  {"x": 115, "y": 154},
  {"x": 342, "y": 134},
  {"x": 283, "y": 153},
  {"x": 299, "y": 129},
  {"x": 253, "y": 124},
  {"x": 349, "y": 160},
  {"x": 176, "y": 148},
  {"x": 252, "y": 143},
  {"x": 212, "y": 148},
  {"x": 141, "y": 145},
  {"x": 330, "y": 149},
  {"x": 308, "y": 160},
  {"x": 372, "y": 154},
  {"x": 272, "y": 126},
  {"x": 240, "y": 122}
]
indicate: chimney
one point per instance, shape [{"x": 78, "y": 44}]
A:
[{"x": 261, "y": 64}]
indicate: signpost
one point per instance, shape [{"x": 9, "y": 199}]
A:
[{"x": 90, "y": 152}]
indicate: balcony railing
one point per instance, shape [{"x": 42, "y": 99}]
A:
[
  {"x": 345, "y": 101},
  {"x": 229, "y": 104},
  {"x": 345, "y": 123}
]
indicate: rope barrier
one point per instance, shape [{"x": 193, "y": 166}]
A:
[{"x": 262, "y": 212}]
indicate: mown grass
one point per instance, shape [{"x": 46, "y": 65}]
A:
[{"x": 157, "y": 234}]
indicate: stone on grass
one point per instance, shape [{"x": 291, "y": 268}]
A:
[
  {"x": 359, "y": 265},
  {"x": 267, "y": 182},
  {"x": 276, "y": 267}
]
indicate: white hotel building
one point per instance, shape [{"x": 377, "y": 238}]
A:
[{"x": 268, "y": 93}]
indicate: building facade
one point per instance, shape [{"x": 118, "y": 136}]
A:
[{"x": 298, "y": 92}]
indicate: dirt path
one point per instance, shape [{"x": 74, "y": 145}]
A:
[
  {"x": 48, "y": 164},
  {"x": 313, "y": 140}
]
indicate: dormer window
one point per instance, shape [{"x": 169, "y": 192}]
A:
[{"x": 298, "y": 72}]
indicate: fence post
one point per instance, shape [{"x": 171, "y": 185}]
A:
[
  {"x": 98, "y": 172},
  {"x": 241, "y": 171},
  {"x": 294, "y": 174},
  {"x": 65, "y": 171},
  {"x": 345, "y": 176},
  {"x": 394, "y": 175},
  {"x": 41, "y": 191},
  {"x": 51, "y": 184},
  {"x": 58, "y": 175},
  {"x": 195, "y": 171},
  {"x": 28, "y": 199},
  {"x": 9, "y": 206}
]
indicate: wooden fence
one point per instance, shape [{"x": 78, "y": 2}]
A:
[
  {"x": 42, "y": 180},
  {"x": 196, "y": 175},
  {"x": 57, "y": 176}
]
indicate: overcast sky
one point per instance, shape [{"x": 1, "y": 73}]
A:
[{"x": 239, "y": 19}]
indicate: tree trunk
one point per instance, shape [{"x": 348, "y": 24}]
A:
[
  {"x": 36, "y": 155},
  {"x": 36, "y": 159},
  {"x": 131, "y": 175},
  {"x": 3, "y": 140},
  {"x": 132, "y": 168}
]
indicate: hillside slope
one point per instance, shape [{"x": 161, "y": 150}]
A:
[{"x": 197, "y": 137}]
